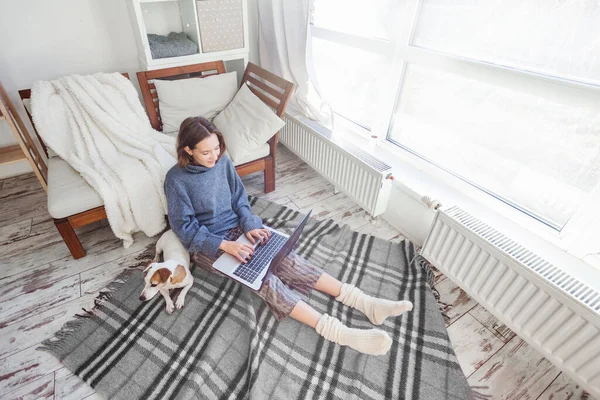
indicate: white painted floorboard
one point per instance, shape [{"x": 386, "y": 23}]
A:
[{"x": 42, "y": 287}]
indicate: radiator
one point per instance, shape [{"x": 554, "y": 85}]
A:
[
  {"x": 551, "y": 310},
  {"x": 355, "y": 172}
]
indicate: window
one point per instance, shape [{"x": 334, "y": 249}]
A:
[
  {"x": 338, "y": 83},
  {"x": 350, "y": 45},
  {"x": 504, "y": 95}
]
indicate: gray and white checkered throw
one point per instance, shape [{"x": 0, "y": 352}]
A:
[{"x": 225, "y": 343}]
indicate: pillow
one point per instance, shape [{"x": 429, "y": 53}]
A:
[
  {"x": 246, "y": 124},
  {"x": 193, "y": 97}
]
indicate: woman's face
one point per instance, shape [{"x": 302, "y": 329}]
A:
[{"x": 206, "y": 152}]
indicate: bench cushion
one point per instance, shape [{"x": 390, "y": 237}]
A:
[
  {"x": 202, "y": 97},
  {"x": 247, "y": 123},
  {"x": 261, "y": 152},
  {"x": 68, "y": 192}
]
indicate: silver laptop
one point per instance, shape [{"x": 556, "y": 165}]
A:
[{"x": 266, "y": 258}]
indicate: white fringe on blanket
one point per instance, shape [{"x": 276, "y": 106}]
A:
[{"x": 97, "y": 124}]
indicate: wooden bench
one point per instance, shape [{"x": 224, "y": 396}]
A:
[{"x": 72, "y": 202}]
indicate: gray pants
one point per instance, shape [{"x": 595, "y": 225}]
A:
[{"x": 295, "y": 272}]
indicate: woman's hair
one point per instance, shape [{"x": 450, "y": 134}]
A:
[{"x": 192, "y": 131}]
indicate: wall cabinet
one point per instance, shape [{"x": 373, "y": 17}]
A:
[{"x": 219, "y": 28}]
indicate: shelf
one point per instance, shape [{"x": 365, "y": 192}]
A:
[
  {"x": 194, "y": 59},
  {"x": 11, "y": 154}
]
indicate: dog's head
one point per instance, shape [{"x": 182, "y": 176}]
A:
[{"x": 158, "y": 276}]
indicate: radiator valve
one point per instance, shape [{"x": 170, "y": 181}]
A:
[{"x": 434, "y": 204}]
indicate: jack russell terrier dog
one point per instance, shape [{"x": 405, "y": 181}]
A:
[{"x": 173, "y": 273}]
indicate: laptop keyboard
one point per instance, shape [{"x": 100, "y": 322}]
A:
[{"x": 259, "y": 261}]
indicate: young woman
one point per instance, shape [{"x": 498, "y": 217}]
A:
[{"x": 209, "y": 210}]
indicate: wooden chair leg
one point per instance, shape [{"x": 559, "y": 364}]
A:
[
  {"x": 269, "y": 176},
  {"x": 70, "y": 237}
]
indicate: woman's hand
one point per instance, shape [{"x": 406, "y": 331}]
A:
[
  {"x": 240, "y": 251},
  {"x": 260, "y": 234}
]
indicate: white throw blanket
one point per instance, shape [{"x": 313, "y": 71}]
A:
[{"x": 97, "y": 124}]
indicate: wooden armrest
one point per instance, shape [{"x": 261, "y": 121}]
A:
[{"x": 270, "y": 88}]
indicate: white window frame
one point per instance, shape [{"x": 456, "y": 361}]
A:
[{"x": 572, "y": 237}]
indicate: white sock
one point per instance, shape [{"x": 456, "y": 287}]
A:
[
  {"x": 369, "y": 341},
  {"x": 377, "y": 310}
]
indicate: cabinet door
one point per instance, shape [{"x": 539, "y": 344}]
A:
[{"x": 221, "y": 24}]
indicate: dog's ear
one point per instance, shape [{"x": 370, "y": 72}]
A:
[
  {"x": 179, "y": 275},
  {"x": 160, "y": 276}
]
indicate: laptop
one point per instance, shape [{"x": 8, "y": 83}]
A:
[{"x": 266, "y": 258}]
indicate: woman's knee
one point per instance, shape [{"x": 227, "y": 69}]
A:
[{"x": 278, "y": 297}]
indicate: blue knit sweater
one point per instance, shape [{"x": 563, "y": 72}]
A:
[{"x": 204, "y": 203}]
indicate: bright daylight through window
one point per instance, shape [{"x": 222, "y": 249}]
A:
[{"x": 504, "y": 95}]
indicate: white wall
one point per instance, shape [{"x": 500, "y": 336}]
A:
[{"x": 46, "y": 39}]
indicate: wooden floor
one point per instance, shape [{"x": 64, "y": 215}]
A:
[{"x": 42, "y": 287}]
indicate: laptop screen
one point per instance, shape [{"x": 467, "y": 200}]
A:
[{"x": 289, "y": 245}]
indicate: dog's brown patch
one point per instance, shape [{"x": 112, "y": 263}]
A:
[
  {"x": 179, "y": 275},
  {"x": 160, "y": 276}
]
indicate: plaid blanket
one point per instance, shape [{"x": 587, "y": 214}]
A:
[{"x": 225, "y": 343}]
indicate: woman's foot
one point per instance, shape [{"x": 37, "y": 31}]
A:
[
  {"x": 377, "y": 310},
  {"x": 369, "y": 341}
]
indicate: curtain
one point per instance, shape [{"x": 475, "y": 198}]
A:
[{"x": 283, "y": 41}]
